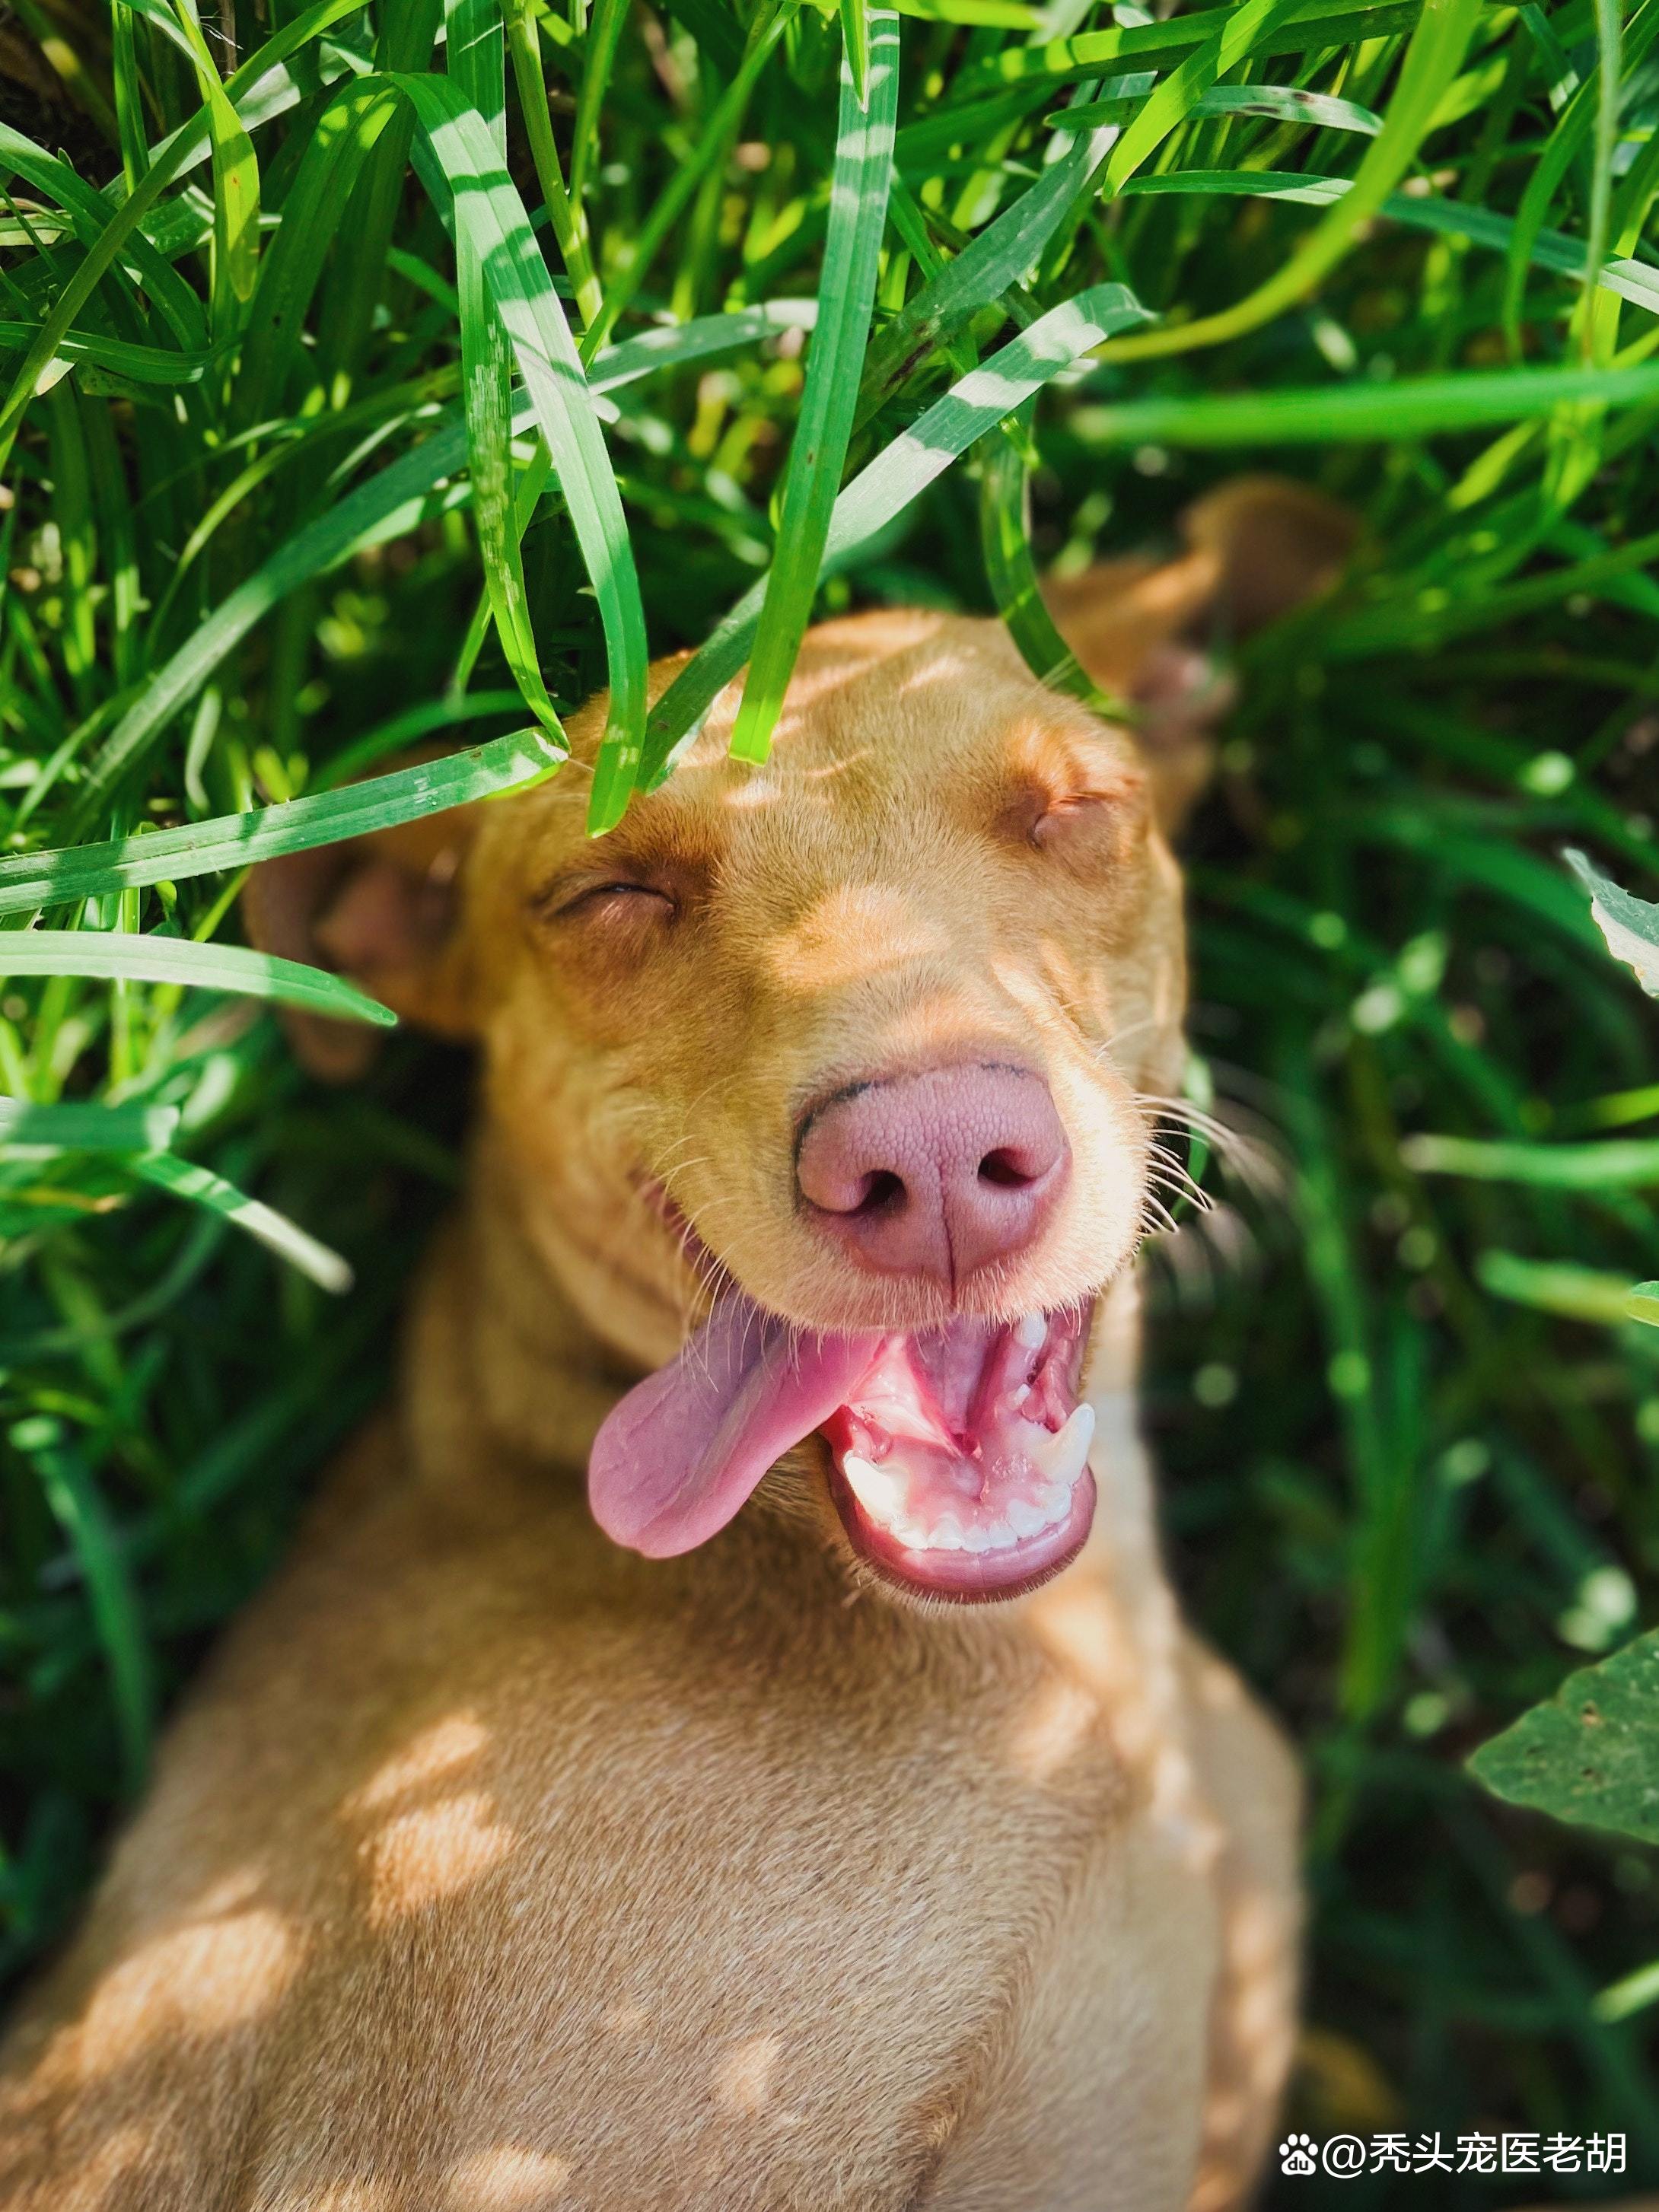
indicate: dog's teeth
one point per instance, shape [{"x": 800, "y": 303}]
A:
[
  {"x": 1025, "y": 1520},
  {"x": 878, "y": 1488},
  {"x": 1055, "y": 1499},
  {"x": 1061, "y": 1457},
  {"x": 1030, "y": 1330},
  {"x": 976, "y": 1540},
  {"x": 947, "y": 1535},
  {"x": 1000, "y": 1537}
]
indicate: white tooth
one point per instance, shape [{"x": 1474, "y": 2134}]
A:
[
  {"x": 1030, "y": 1330},
  {"x": 976, "y": 1540},
  {"x": 946, "y": 1536},
  {"x": 1000, "y": 1537},
  {"x": 1061, "y": 1457},
  {"x": 878, "y": 1488},
  {"x": 1055, "y": 1499},
  {"x": 1024, "y": 1520}
]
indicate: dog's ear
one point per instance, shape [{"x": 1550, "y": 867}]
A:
[
  {"x": 382, "y": 909},
  {"x": 1257, "y": 548}
]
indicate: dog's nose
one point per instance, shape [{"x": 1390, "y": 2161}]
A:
[{"x": 936, "y": 1174}]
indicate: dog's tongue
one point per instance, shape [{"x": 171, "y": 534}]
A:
[{"x": 684, "y": 1449}]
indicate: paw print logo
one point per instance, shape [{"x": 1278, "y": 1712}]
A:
[{"x": 1295, "y": 2155}]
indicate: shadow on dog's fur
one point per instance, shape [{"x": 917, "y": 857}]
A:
[{"x": 493, "y": 1867}]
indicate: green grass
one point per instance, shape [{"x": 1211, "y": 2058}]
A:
[{"x": 404, "y": 379}]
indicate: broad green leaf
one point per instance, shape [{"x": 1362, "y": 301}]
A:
[
  {"x": 319, "y": 198},
  {"x": 1629, "y": 925},
  {"x": 177, "y": 960},
  {"x": 1591, "y": 1756},
  {"x": 1006, "y": 15},
  {"x": 858, "y": 216},
  {"x": 1290, "y": 103}
]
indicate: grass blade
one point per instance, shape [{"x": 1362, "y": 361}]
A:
[
  {"x": 568, "y": 226},
  {"x": 458, "y": 152},
  {"x": 235, "y": 186},
  {"x": 1011, "y": 570},
  {"x": 30, "y": 881},
  {"x": 1432, "y": 58},
  {"x": 179, "y": 960},
  {"x": 476, "y": 65},
  {"x": 402, "y": 496},
  {"x": 1635, "y": 281},
  {"x": 1421, "y": 407},
  {"x": 123, "y": 225},
  {"x": 201, "y": 1186},
  {"x": 1578, "y": 119},
  {"x": 887, "y": 485},
  {"x": 858, "y": 216},
  {"x": 25, "y": 1127},
  {"x": 1006, "y": 251},
  {"x": 71, "y": 1492},
  {"x": 1173, "y": 100},
  {"x": 1626, "y": 1163},
  {"x": 855, "y": 41}
]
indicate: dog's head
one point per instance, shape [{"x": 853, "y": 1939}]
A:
[{"x": 844, "y": 1068}]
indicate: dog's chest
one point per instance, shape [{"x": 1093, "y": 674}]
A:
[{"x": 719, "y": 1935}]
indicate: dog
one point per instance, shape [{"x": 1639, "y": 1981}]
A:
[{"x": 825, "y": 1807}]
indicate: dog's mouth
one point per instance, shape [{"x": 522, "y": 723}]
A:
[{"x": 959, "y": 1454}]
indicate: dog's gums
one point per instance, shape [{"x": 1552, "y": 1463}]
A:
[
  {"x": 959, "y": 1454},
  {"x": 961, "y": 1459}
]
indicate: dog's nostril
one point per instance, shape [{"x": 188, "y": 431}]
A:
[
  {"x": 1004, "y": 1169},
  {"x": 882, "y": 1192}
]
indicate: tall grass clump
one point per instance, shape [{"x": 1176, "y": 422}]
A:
[{"x": 377, "y": 375}]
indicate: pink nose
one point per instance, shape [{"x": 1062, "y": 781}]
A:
[{"x": 935, "y": 1174}]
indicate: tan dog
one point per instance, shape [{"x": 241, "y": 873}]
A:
[{"x": 500, "y": 1868}]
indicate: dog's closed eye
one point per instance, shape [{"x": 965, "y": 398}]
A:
[
  {"x": 1082, "y": 813},
  {"x": 1098, "y": 822},
  {"x": 616, "y": 903}
]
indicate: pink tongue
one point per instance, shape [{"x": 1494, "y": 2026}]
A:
[{"x": 676, "y": 1458}]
